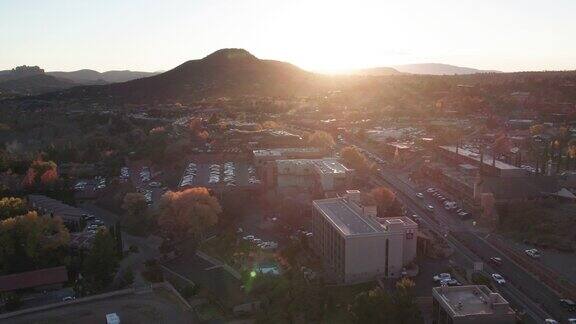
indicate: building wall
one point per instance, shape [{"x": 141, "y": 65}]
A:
[{"x": 365, "y": 258}]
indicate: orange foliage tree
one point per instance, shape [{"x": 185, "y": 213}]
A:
[{"x": 188, "y": 212}]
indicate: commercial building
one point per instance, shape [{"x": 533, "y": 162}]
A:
[
  {"x": 312, "y": 174},
  {"x": 355, "y": 245},
  {"x": 262, "y": 156},
  {"x": 73, "y": 217},
  {"x": 469, "y": 305},
  {"x": 488, "y": 165}
]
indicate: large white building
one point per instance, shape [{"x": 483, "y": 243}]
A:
[
  {"x": 355, "y": 245},
  {"x": 328, "y": 174},
  {"x": 469, "y": 305}
]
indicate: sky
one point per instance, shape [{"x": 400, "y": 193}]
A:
[{"x": 317, "y": 35}]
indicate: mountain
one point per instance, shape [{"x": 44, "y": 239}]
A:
[
  {"x": 378, "y": 71},
  {"x": 94, "y": 77},
  {"x": 438, "y": 69},
  {"x": 224, "y": 73},
  {"x": 30, "y": 80}
]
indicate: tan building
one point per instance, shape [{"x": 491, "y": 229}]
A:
[
  {"x": 357, "y": 246},
  {"x": 469, "y": 305},
  {"x": 323, "y": 174}
]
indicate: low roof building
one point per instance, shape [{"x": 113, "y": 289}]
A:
[
  {"x": 34, "y": 279},
  {"x": 470, "y": 304}
]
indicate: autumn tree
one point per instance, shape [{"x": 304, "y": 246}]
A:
[
  {"x": 11, "y": 207},
  {"x": 386, "y": 202},
  {"x": 537, "y": 129},
  {"x": 29, "y": 242},
  {"x": 321, "y": 139},
  {"x": 354, "y": 158},
  {"x": 188, "y": 212}
]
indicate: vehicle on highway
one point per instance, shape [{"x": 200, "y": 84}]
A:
[
  {"x": 496, "y": 261},
  {"x": 498, "y": 278},
  {"x": 533, "y": 253},
  {"x": 550, "y": 321},
  {"x": 441, "y": 277},
  {"x": 568, "y": 304},
  {"x": 420, "y": 195}
]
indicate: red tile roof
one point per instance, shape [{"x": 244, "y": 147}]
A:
[{"x": 33, "y": 279}]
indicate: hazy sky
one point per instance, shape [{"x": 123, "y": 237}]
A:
[{"x": 321, "y": 35}]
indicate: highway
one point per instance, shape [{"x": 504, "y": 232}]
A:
[{"x": 522, "y": 289}]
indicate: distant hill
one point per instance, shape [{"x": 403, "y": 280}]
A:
[
  {"x": 226, "y": 72},
  {"x": 94, "y": 77},
  {"x": 378, "y": 71},
  {"x": 30, "y": 80},
  {"x": 437, "y": 69}
]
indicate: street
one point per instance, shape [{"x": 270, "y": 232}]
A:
[{"x": 522, "y": 290}]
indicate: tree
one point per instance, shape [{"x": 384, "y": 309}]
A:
[
  {"x": 102, "y": 261},
  {"x": 188, "y": 212},
  {"x": 537, "y": 129},
  {"x": 29, "y": 242},
  {"x": 136, "y": 220},
  {"x": 387, "y": 203},
  {"x": 321, "y": 139},
  {"x": 404, "y": 301},
  {"x": 354, "y": 158},
  {"x": 11, "y": 207},
  {"x": 372, "y": 306}
]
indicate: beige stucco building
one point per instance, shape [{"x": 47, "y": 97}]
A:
[
  {"x": 357, "y": 246},
  {"x": 469, "y": 305}
]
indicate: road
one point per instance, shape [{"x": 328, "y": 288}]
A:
[{"x": 522, "y": 289}]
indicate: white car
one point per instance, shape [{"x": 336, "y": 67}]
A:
[
  {"x": 533, "y": 253},
  {"x": 498, "y": 278},
  {"x": 420, "y": 195},
  {"x": 430, "y": 208},
  {"x": 442, "y": 277},
  {"x": 550, "y": 321},
  {"x": 248, "y": 237}
]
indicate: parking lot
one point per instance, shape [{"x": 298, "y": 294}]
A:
[{"x": 230, "y": 174}]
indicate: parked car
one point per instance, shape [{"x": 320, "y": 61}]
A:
[
  {"x": 498, "y": 278},
  {"x": 420, "y": 195},
  {"x": 248, "y": 237},
  {"x": 450, "y": 282},
  {"x": 68, "y": 298},
  {"x": 430, "y": 208},
  {"x": 442, "y": 276}
]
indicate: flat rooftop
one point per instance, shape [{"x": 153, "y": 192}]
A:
[
  {"x": 470, "y": 300},
  {"x": 282, "y": 151},
  {"x": 347, "y": 220},
  {"x": 155, "y": 305},
  {"x": 476, "y": 157},
  {"x": 350, "y": 221}
]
